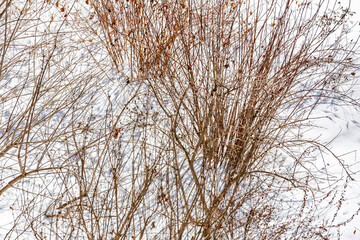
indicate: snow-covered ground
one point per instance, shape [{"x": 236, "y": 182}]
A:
[{"x": 340, "y": 129}]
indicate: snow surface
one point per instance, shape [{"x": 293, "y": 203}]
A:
[{"x": 341, "y": 129}]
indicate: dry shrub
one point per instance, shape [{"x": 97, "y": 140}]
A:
[
  {"x": 235, "y": 84},
  {"x": 204, "y": 137}
]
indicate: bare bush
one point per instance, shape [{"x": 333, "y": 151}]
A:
[{"x": 198, "y": 136}]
